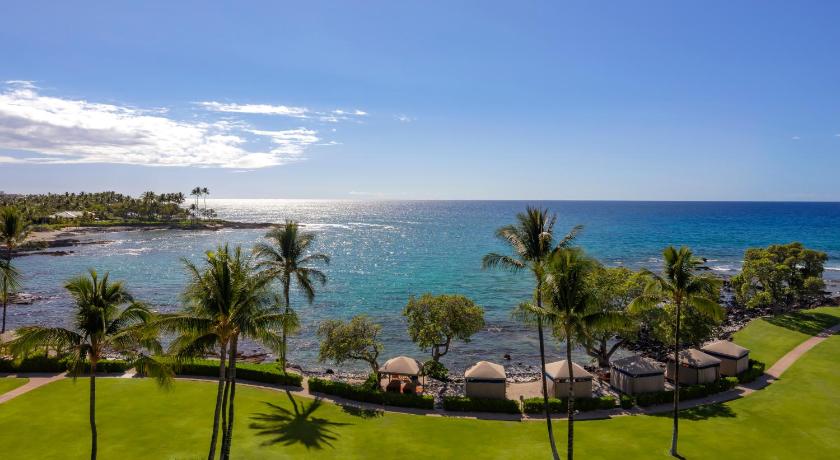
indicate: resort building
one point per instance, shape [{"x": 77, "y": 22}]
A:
[
  {"x": 637, "y": 374},
  {"x": 557, "y": 378},
  {"x": 734, "y": 358},
  {"x": 697, "y": 367},
  {"x": 485, "y": 380}
]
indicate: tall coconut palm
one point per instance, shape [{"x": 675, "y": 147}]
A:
[
  {"x": 287, "y": 257},
  {"x": 9, "y": 283},
  {"x": 681, "y": 285},
  {"x": 532, "y": 241},
  {"x": 204, "y": 192},
  {"x": 14, "y": 228},
  {"x": 225, "y": 299},
  {"x": 107, "y": 319}
]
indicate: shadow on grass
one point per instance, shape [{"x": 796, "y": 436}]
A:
[
  {"x": 811, "y": 323},
  {"x": 702, "y": 412},
  {"x": 296, "y": 426},
  {"x": 362, "y": 413}
]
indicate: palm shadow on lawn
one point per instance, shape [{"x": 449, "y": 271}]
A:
[
  {"x": 810, "y": 323},
  {"x": 296, "y": 426},
  {"x": 704, "y": 412}
]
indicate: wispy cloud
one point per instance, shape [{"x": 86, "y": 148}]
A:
[
  {"x": 329, "y": 116},
  {"x": 57, "y": 130},
  {"x": 403, "y": 118},
  {"x": 796, "y": 138}
]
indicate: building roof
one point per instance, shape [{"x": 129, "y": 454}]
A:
[
  {"x": 559, "y": 370},
  {"x": 697, "y": 359},
  {"x": 67, "y": 215},
  {"x": 401, "y": 365},
  {"x": 726, "y": 349},
  {"x": 485, "y": 370},
  {"x": 637, "y": 366}
]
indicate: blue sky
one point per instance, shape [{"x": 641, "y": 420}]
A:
[{"x": 667, "y": 100}]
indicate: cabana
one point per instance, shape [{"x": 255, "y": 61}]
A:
[
  {"x": 637, "y": 374},
  {"x": 406, "y": 370},
  {"x": 697, "y": 367},
  {"x": 734, "y": 358},
  {"x": 485, "y": 380},
  {"x": 557, "y": 379}
]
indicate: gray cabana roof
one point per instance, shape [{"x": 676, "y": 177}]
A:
[
  {"x": 637, "y": 366},
  {"x": 696, "y": 359},
  {"x": 559, "y": 370},
  {"x": 726, "y": 349},
  {"x": 485, "y": 370}
]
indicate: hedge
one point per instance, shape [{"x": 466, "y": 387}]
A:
[
  {"x": 754, "y": 371},
  {"x": 558, "y": 406},
  {"x": 41, "y": 363},
  {"x": 687, "y": 392},
  {"x": 264, "y": 373},
  {"x": 465, "y": 404},
  {"x": 369, "y": 395}
]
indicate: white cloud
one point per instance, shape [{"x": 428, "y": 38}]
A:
[
  {"x": 796, "y": 138},
  {"x": 65, "y": 131},
  {"x": 403, "y": 118},
  {"x": 257, "y": 109}
]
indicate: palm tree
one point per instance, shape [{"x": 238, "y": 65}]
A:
[
  {"x": 287, "y": 258},
  {"x": 101, "y": 326},
  {"x": 204, "y": 193},
  {"x": 532, "y": 240},
  {"x": 14, "y": 229},
  {"x": 680, "y": 285},
  {"x": 9, "y": 283},
  {"x": 224, "y": 300},
  {"x": 571, "y": 309}
]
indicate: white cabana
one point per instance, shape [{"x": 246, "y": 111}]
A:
[
  {"x": 401, "y": 365},
  {"x": 486, "y": 380},
  {"x": 557, "y": 380},
  {"x": 734, "y": 358},
  {"x": 637, "y": 374},
  {"x": 696, "y": 367}
]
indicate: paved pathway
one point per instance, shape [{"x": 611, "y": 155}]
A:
[{"x": 35, "y": 381}]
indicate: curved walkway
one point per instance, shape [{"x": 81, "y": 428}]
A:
[{"x": 772, "y": 374}]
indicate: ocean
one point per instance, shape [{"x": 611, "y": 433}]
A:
[{"x": 384, "y": 251}]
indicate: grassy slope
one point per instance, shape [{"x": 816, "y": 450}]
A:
[
  {"x": 769, "y": 339},
  {"x": 9, "y": 383},
  {"x": 794, "y": 418}
]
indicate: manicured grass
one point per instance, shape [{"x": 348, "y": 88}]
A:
[
  {"x": 10, "y": 383},
  {"x": 794, "y": 418},
  {"x": 771, "y": 338}
]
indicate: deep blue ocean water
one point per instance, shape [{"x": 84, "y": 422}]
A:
[{"x": 383, "y": 252}]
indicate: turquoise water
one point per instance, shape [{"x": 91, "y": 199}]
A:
[{"x": 382, "y": 252}]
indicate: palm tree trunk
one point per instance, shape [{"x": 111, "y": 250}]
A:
[
  {"x": 227, "y": 440},
  {"x": 542, "y": 376},
  {"x": 286, "y": 282},
  {"x": 570, "y": 407},
  {"x": 5, "y": 301},
  {"x": 219, "y": 402},
  {"x": 93, "y": 410},
  {"x": 676, "y": 383}
]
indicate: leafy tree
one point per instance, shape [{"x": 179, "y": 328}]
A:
[
  {"x": 613, "y": 288},
  {"x": 434, "y": 321},
  {"x": 780, "y": 276},
  {"x": 101, "y": 326},
  {"x": 224, "y": 300},
  {"x": 14, "y": 228},
  {"x": 532, "y": 241},
  {"x": 681, "y": 285},
  {"x": 9, "y": 284},
  {"x": 287, "y": 258},
  {"x": 357, "y": 339}
]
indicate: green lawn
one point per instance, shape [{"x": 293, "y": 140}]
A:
[
  {"x": 10, "y": 383},
  {"x": 771, "y": 338}
]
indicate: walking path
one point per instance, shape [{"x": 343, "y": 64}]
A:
[{"x": 772, "y": 374}]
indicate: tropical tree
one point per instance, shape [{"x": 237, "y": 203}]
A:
[
  {"x": 224, "y": 300},
  {"x": 14, "y": 228},
  {"x": 532, "y": 241},
  {"x": 681, "y": 285},
  {"x": 434, "y": 321},
  {"x": 357, "y": 339},
  {"x": 9, "y": 284},
  {"x": 107, "y": 320},
  {"x": 204, "y": 193},
  {"x": 287, "y": 257}
]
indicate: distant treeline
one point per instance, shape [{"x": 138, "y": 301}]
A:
[{"x": 101, "y": 206}]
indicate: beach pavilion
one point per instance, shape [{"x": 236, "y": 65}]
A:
[
  {"x": 637, "y": 374},
  {"x": 697, "y": 367},
  {"x": 402, "y": 373},
  {"x": 486, "y": 380},
  {"x": 734, "y": 358},
  {"x": 557, "y": 378}
]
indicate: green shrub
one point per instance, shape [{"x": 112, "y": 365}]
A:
[
  {"x": 627, "y": 401},
  {"x": 687, "y": 392},
  {"x": 754, "y": 371},
  {"x": 656, "y": 397},
  {"x": 558, "y": 406},
  {"x": 34, "y": 363},
  {"x": 465, "y": 404},
  {"x": 536, "y": 405},
  {"x": 435, "y": 370},
  {"x": 366, "y": 394},
  {"x": 263, "y": 373},
  {"x": 108, "y": 366}
]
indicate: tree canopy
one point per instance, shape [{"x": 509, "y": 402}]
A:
[
  {"x": 357, "y": 339},
  {"x": 434, "y": 321}
]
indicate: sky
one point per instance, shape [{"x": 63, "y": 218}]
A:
[{"x": 622, "y": 100}]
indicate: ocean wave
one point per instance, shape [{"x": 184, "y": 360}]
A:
[
  {"x": 833, "y": 269},
  {"x": 723, "y": 268}
]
